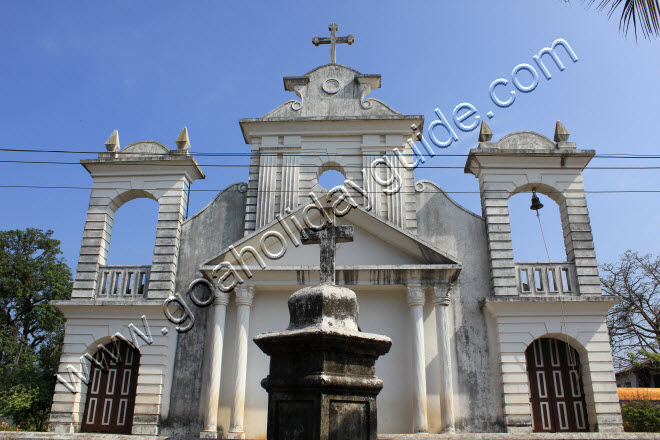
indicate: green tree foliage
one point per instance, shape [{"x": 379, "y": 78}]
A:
[
  {"x": 641, "y": 417},
  {"x": 634, "y": 323},
  {"x": 32, "y": 273}
]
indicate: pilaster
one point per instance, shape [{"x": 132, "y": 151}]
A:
[
  {"x": 94, "y": 247},
  {"x": 578, "y": 239},
  {"x": 266, "y": 189},
  {"x": 168, "y": 235},
  {"x": 495, "y": 208},
  {"x": 289, "y": 183}
]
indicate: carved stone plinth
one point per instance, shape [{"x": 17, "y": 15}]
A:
[{"x": 322, "y": 384}]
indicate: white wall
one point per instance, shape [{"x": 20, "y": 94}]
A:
[{"x": 382, "y": 311}]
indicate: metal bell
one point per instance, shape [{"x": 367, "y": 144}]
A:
[{"x": 536, "y": 203}]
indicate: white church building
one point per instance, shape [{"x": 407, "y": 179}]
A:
[{"x": 480, "y": 342}]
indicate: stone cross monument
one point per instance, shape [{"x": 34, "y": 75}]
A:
[
  {"x": 328, "y": 237},
  {"x": 333, "y": 41},
  {"x": 321, "y": 383}
]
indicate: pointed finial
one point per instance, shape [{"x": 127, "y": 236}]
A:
[
  {"x": 485, "y": 135},
  {"x": 183, "y": 142},
  {"x": 112, "y": 144},
  {"x": 417, "y": 132},
  {"x": 561, "y": 134}
]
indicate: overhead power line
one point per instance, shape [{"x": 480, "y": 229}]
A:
[
  {"x": 316, "y": 154},
  {"x": 305, "y": 192},
  {"x": 234, "y": 165}
]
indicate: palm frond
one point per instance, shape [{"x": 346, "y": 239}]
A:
[{"x": 642, "y": 14}]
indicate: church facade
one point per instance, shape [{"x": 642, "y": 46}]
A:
[{"x": 480, "y": 342}]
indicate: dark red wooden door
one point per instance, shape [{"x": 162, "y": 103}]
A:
[
  {"x": 555, "y": 385},
  {"x": 111, "y": 393}
]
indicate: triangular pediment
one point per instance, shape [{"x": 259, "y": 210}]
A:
[{"x": 377, "y": 245}]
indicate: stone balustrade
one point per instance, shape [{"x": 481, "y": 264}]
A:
[
  {"x": 545, "y": 279},
  {"x": 123, "y": 282}
]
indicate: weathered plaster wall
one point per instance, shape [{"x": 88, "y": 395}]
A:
[
  {"x": 477, "y": 391},
  {"x": 203, "y": 236},
  {"x": 476, "y": 379}
]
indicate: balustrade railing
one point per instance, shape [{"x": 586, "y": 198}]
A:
[
  {"x": 123, "y": 282},
  {"x": 545, "y": 279}
]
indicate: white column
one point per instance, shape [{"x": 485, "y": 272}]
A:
[
  {"x": 244, "y": 297},
  {"x": 215, "y": 364},
  {"x": 441, "y": 302},
  {"x": 416, "y": 303}
]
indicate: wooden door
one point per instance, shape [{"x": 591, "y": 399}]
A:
[
  {"x": 555, "y": 384},
  {"x": 111, "y": 392}
]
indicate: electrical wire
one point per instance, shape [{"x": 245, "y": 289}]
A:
[
  {"x": 631, "y": 191},
  {"x": 316, "y": 154},
  {"x": 232, "y": 165}
]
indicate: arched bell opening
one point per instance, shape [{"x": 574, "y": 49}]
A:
[
  {"x": 134, "y": 233},
  {"x": 110, "y": 398},
  {"x": 132, "y": 223},
  {"x": 556, "y": 386},
  {"x": 540, "y": 249}
]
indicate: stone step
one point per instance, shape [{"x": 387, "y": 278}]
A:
[
  {"x": 470, "y": 436},
  {"x": 77, "y": 436},
  {"x": 529, "y": 436}
]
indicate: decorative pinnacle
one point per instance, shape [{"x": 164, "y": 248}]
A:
[
  {"x": 183, "y": 142},
  {"x": 485, "y": 135},
  {"x": 112, "y": 144},
  {"x": 417, "y": 133},
  {"x": 561, "y": 134}
]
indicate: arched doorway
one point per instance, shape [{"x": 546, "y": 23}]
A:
[
  {"x": 111, "y": 391},
  {"x": 555, "y": 385}
]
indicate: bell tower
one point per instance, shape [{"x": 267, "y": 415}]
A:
[
  {"x": 529, "y": 162},
  {"x": 146, "y": 169}
]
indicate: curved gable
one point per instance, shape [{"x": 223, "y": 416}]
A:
[
  {"x": 146, "y": 147},
  {"x": 525, "y": 140},
  {"x": 332, "y": 90}
]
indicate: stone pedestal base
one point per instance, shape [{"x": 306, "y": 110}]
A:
[
  {"x": 298, "y": 416},
  {"x": 322, "y": 383}
]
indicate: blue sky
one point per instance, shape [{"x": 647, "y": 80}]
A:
[{"x": 75, "y": 71}]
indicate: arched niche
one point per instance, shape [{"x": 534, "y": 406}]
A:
[{"x": 529, "y": 243}]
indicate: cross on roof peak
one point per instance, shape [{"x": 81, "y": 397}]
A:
[
  {"x": 327, "y": 237},
  {"x": 333, "y": 40}
]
